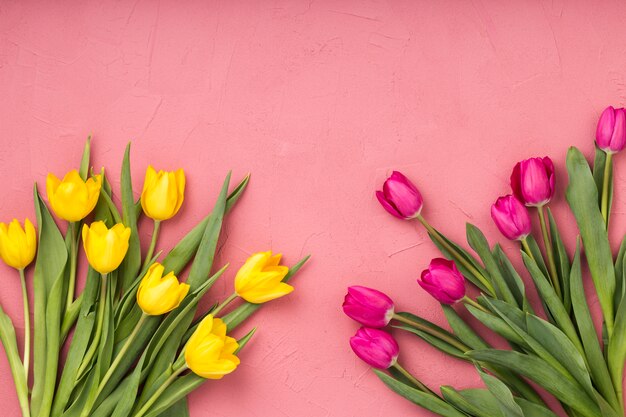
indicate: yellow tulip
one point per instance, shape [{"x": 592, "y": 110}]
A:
[
  {"x": 105, "y": 248},
  {"x": 209, "y": 352},
  {"x": 158, "y": 294},
  {"x": 260, "y": 278},
  {"x": 18, "y": 245},
  {"x": 73, "y": 198},
  {"x": 163, "y": 193}
]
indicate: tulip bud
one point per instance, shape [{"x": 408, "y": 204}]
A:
[
  {"x": 73, "y": 198},
  {"x": 209, "y": 352},
  {"x": 532, "y": 181},
  {"x": 105, "y": 248},
  {"x": 158, "y": 294},
  {"x": 163, "y": 193},
  {"x": 18, "y": 245},
  {"x": 611, "y": 130},
  {"x": 400, "y": 197},
  {"x": 375, "y": 347},
  {"x": 368, "y": 306},
  {"x": 260, "y": 279},
  {"x": 511, "y": 217},
  {"x": 443, "y": 281}
]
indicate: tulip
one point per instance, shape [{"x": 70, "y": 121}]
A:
[
  {"x": 400, "y": 197},
  {"x": 443, "y": 281},
  {"x": 532, "y": 181},
  {"x": 73, "y": 198},
  {"x": 375, "y": 347},
  {"x": 611, "y": 130},
  {"x": 260, "y": 278},
  {"x": 209, "y": 352},
  {"x": 105, "y": 248},
  {"x": 18, "y": 245},
  {"x": 368, "y": 306},
  {"x": 158, "y": 294},
  {"x": 511, "y": 217},
  {"x": 163, "y": 193}
]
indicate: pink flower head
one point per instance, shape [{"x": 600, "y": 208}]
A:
[
  {"x": 611, "y": 130},
  {"x": 443, "y": 281},
  {"x": 375, "y": 347},
  {"x": 511, "y": 217},
  {"x": 532, "y": 181},
  {"x": 400, "y": 197},
  {"x": 368, "y": 306}
]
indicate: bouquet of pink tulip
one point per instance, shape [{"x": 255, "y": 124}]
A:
[
  {"x": 555, "y": 345},
  {"x": 141, "y": 343}
]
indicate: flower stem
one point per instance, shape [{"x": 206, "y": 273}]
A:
[
  {"x": 26, "y": 324},
  {"x": 604, "y": 206},
  {"x": 411, "y": 378},
  {"x": 73, "y": 261},
  {"x": 547, "y": 243},
  {"x": 443, "y": 336},
  {"x": 527, "y": 249},
  {"x": 153, "y": 241},
  {"x": 457, "y": 256},
  {"x": 224, "y": 303},
  {"x": 100, "y": 320},
  {"x": 160, "y": 391},
  {"x": 473, "y": 303}
]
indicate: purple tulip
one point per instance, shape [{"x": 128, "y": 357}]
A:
[
  {"x": 443, "y": 281},
  {"x": 611, "y": 131},
  {"x": 511, "y": 217},
  {"x": 368, "y": 306},
  {"x": 400, "y": 197},
  {"x": 532, "y": 181},
  {"x": 375, "y": 347}
]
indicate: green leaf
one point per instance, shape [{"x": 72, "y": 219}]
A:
[
  {"x": 435, "y": 342},
  {"x": 503, "y": 396},
  {"x": 481, "y": 404},
  {"x": 511, "y": 277},
  {"x": 496, "y": 324},
  {"x": 9, "y": 341},
  {"x": 84, "y": 162},
  {"x": 462, "y": 330},
  {"x": 562, "y": 261},
  {"x": 599, "y": 163},
  {"x": 620, "y": 274},
  {"x": 616, "y": 352},
  {"x": 132, "y": 262}
]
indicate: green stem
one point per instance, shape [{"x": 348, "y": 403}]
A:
[
  {"x": 153, "y": 241},
  {"x": 73, "y": 260},
  {"x": 443, "y": 336},
  {"x": 96, "y": 339},
  {"x": 473, "y": 303},
  {"x": 547, "y": 243},
  {"x": 604, "y": 206},
  {"x": 160, "y": 391},
  {"x": 411, "y": 378},
  {"x": 527, "y": 249},
  {"x": 26, "y": 324},
  {"x": 224, "y": 303},
  {"x": 457, "y": 256}
]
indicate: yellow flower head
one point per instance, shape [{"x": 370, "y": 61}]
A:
[
  {"x": 163, "y": 193},
  {"x": 158, "y": 294},
  {"x": 105, "y": 248},
  {"x": 73, "y": 199},
  {"x": 260, "y": 278},
  {"x": 17, "y": 245},
  {"x": 209, "y": 352}
]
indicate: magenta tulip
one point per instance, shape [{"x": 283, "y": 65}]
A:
[
  {"x": 511, "y": 217},
  {"x": 375, "y": 347},
  {"x": 611, "y": 131},
  {"x": 443, "y": 281},
  {"x": 532, "y": 181},
  {"x": 368, "y": 306},
  {"x": 400, "y": 197}
]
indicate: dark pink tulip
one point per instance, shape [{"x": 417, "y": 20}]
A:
[
  {"x": 375, "y": 347},
  {"x": 611, "y": 131},
  {"x": 532, "y": 181},
  {"x": 511, "y": 217},
  {"x": 400, "y": 197},
  {"x": 443, "y": 281},
  {"x": 368, "y": 306}
]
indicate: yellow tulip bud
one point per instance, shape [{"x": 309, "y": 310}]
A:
[
  {"x": 260, "y": 278},
  {"x": 163, "y": 193},
  {"x": 158, "y": 294},
  {"x": 209, "y": 352},
  {"x": 17, "y": 245},
  {"x": 73, "y": 199},
  {"x": 105, "y": 248}
]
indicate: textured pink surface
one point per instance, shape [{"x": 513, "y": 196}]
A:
[{"x": 319, "y": 100}]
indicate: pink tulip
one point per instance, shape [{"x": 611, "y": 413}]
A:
[
  {"x": 611, "y": 131},
  {"x": 368, "y": 306},
  {"x": 375, "y": 347},
  {"x": 400, "y": 197},
  {"x": 532, "y": 181},
  {"x": 511, "y": 217},
  {"x": 443, "y": 281}
]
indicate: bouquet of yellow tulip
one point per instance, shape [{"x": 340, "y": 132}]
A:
[{"x": 140, "y": 343}]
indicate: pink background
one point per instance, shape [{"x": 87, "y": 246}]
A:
[{"x": 319, "y": 100}]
